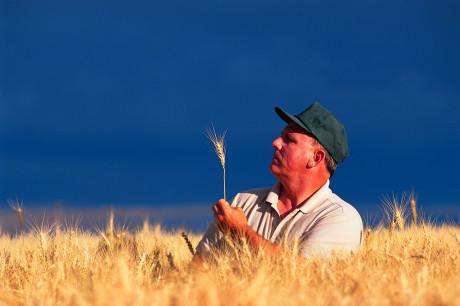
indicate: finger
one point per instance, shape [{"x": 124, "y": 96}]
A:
[
  {"x": 217, "y": 211},
  {"x": 219, "y": 205},
  {"x": 221, "y": 218},
  {"x": 220, "y": 222},
  {"x": 223, "y": 205}
]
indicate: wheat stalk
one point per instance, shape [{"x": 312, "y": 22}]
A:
[
  {"x": 146, "y": 226},
  {"x": 413, "y": 207},
  {"x": 188, "y": 242},
  {"x": 110, "y": 224},
  {"x": 19, "y": 212},
  {"x": 171, "y": 261},
  {"x": 395, "y": 211},
  {"x": 219, "y": 147},
  {"x": 399, "y": 216}
]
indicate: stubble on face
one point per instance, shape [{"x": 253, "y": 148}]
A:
[{"x": 291, "y": 152}]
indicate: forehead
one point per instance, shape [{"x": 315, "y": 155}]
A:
[
  {"x": 298, "y": 132},
  {"x": 295, "y": 128}
]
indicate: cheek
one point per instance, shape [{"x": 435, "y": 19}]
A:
[
  {"x": 290, "y": 160},
  {"x": 298, "y": 160}
]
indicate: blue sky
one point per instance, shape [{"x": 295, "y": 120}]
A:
[{"x": 107, "y": 102}]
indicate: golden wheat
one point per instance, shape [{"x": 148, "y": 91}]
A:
[
  {"x": 218, "y": 142},
  {"x": 395, "y": 211},
  {"x": 188, "y": 242},
  {"x": 413, "y": 207},
  {"x": 417, "y": 266},
  {"x": 18, "y": 209},
  {"x": 51, "y": 265}
]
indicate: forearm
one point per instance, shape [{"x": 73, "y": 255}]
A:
[
  {"x": 233, "y": 220},
  {"x": 258, "y": 242},
  {"x": 198, "y": 263}
]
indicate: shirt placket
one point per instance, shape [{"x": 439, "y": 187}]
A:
[{"x": 287, "y": 222}]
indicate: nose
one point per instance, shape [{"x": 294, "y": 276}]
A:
[{"x": 277, "y": 143}]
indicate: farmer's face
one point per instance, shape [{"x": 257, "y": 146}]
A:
[{"x": 293, "y": 149}]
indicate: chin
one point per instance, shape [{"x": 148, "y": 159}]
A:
[{"x": 274, "y": 170}]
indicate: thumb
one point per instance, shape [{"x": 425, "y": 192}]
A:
[{"x": 224, "y": 204}]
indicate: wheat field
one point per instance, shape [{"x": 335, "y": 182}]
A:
[{"x": 416, "y": 265}]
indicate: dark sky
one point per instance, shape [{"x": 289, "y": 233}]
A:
[{"x": 107, "y": 102}]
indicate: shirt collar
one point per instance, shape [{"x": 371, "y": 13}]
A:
[
  {"x": 308, "y": 205},
  {"x": 272, "y": 197}
]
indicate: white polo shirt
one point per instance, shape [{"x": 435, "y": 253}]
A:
[{"x": 323, "y": 223}]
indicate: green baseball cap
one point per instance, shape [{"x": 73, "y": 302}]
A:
[{"x": 318, "y": 121}]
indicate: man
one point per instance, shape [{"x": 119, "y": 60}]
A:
[{"x": 300, "y": 206}]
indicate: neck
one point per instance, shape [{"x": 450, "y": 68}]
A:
[{"x": 292, "y": 195}]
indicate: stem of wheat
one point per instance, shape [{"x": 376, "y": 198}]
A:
[{"x": 219, "y": 147}]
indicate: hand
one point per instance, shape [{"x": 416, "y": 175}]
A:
[
  {"x": 232, "y": 220},
  {"x": 229, "y": 218}
]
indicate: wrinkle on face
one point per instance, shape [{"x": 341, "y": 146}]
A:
[{"x": 292, "y": 151}]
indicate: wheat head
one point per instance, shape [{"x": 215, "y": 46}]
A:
[
  {"x": 218, "y": 142},
  {"x": 18, "y": 209}
]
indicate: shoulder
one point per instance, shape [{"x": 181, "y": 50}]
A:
[
  {"x": 344, "y": 206},
  {"x": 336, "y": 223},
  {"x": 334, "y": 206}
]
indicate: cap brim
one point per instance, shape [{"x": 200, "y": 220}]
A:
[{"x": 288, "y": 118}]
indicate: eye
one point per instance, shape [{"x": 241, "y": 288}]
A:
[{"x": 288, "y": 139}]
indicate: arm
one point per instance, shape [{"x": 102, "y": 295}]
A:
[
  {"x": 233, "y": 219},
  {"x": 198, "y": 263},
  {"x": 256, "y": 241},
  {"x": 203, "y": 250}
]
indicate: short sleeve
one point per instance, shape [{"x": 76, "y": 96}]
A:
[
  {"x": 213, "y": 235},
  {"x": 339, "y": 232}
]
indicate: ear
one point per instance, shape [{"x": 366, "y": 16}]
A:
[{"x": 316, "y": 158}]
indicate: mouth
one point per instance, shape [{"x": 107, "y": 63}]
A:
[{"x": 276, "y": 159}]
